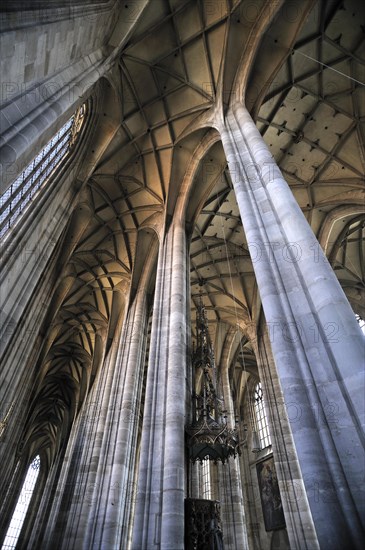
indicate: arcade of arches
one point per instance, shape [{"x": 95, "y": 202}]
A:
[{"x": 213, "y": 162}]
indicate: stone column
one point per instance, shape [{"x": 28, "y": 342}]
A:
[
  {"x": 159, "y": 517},
  {"x": 298, "y": 518},
  {"x": 68, "y": 503},
  {"x": 194, "y": 482},
  {"x": 233, "y": 516},
  {"x": 317, "y": 344},
  {"x": 97, "y": 488},
  {"x": 23, "y": 310},
  {"x": 114, "y": 480}
]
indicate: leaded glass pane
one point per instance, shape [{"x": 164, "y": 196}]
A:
[
  {"x": 261, "y": 419},
  {"x": 206, "y": 488},
  {"x": 16, "y": 199},
  {"x": 21, "y": 508}
]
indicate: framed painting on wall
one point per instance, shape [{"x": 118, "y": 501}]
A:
[{"x": 270, "y": 495}]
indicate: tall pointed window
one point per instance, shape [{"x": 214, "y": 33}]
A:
[
  {"x": 22, "y": 505},
  {"x": 206, "y": 488},
  {"x": 261, "y": 418},
  {"x": 34, "y": 177}
]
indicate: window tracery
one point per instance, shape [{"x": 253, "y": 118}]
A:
[
  {"x": 261, "y": 418},
  {"x": 34, "y": 177},
  {"x": 206, "y": 486},
  {"x": 22, "y": 505}
]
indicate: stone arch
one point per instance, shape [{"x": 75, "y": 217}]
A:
[{"x": 328, "y": 234}]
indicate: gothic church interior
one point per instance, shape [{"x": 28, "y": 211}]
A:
[{"x": 182, "y": 278}]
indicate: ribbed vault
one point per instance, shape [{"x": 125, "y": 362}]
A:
[
  {"x": 180, "y": 57},
  {"x": 312, "y": 119}
]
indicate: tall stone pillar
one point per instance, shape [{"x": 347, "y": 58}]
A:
[
  {"x": 159, "y": 513},
  {"x": 317, "y": 344},
  {"x": 97, "y": 488},
  {"x": 232, "y": 512},
  {"x": 298, "y": 518},
  {"x": 114, "y": 479},
  {"x": 67, "y": 504}
]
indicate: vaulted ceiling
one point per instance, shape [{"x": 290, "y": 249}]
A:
[{"x": 181, "y": 58}]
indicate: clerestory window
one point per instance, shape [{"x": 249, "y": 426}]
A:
[
  {"x": 261, "y": 418},
  {"x": 22, "y": 505},
  {"x": 17, "y": 198}
]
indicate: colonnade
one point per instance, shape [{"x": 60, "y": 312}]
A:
[
  {"x": 123, "y": 477},
  {"x": 300, "y": 296}
]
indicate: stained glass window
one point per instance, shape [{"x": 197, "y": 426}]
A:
[
  {"x": 35, "y": 176},
  {"x": 22, "y": 505}
]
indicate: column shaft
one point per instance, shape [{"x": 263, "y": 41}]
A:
[
  {"x": 159, "y": 519},
  {"x": 298, "y": 518},
  {"x": 103, "y": 450},
  {"x": 108, "y": 518},
  {"x": 233, "y": 516},
  {"x": 316, "y": 342}
]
